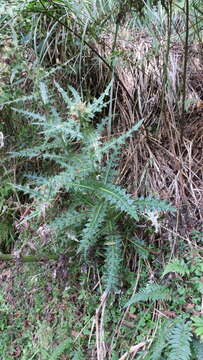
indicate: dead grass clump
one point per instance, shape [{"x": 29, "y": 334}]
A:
[{"x": 165, "y": 159}]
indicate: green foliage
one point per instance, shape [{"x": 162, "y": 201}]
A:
[
  {"x": 197, "y": 235},
  {"x": 74, "y": 188},
  {"x": 197, "y": 323},
  {"x": 198, "y": 349},
  {"x": 6, "y": 231},
  {"x": 115, "y": 195},
  {"x": 173, "y": 341},
  {"x": 4, "y": 312},
  {"x": 161, "y": 341},
  {"x": 6, "y": 213},
  {"x": 113, "y": 256},
  {"x": 75, "y": 146},
  {"x": 152, "y": 292},
  {"x": 59, "y": 350},
  {"x": 90, "y": 232},
  {"x": 179, "y": 341},
  {"x": 177, "y": 265}
]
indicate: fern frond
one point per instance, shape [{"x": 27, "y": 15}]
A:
[
  {"x": 152, "y": 292},
  {"x": 160, "y": 342},
  {"x": 179, "y": 341},
  {"x": 198, "y": 349},
  {"x": 197, "y": 323},
  {"x": 113, "y": 259},
  {"x": 91, "y": 230},
  {"x": 177, "y": 265}
]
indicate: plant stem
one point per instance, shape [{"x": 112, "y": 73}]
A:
[{"x": 28, "y": 258}]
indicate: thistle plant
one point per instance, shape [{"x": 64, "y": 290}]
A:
[{"x": 86, "y": 170}]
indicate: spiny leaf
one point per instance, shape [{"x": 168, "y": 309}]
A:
[
  {"x": 90, "y": 232},
  {"x": 63, "y": 93},
  {"x": 118, "y": 197},
  {"x": 149, "y": 203},
  {"x": 44, "y": 92},
  {"x": 23, "y": 99},
  {"x": 31, "y": 114},
  {"x": 29, "y": 153},
  {"x": 98, "y": 104},
  {"x": 76, "y": 96},
  {"x": 115, "y": 143},
  {"x": 110, "y": 169},
  {"x": 70, "y": 218},
  {"x": 113, "y": 258},
  {"x": 114, "y": 194}
]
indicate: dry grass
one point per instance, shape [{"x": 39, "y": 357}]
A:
[{"x": 165, "y": 159}]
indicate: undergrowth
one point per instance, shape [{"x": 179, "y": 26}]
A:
[
  {"x": 93, "y": 218},
  {"x": 96, "y": 267},
  {"x": 96, "y": 203}
]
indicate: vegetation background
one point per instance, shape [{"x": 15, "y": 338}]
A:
[{"x": 101, "y": 199}]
